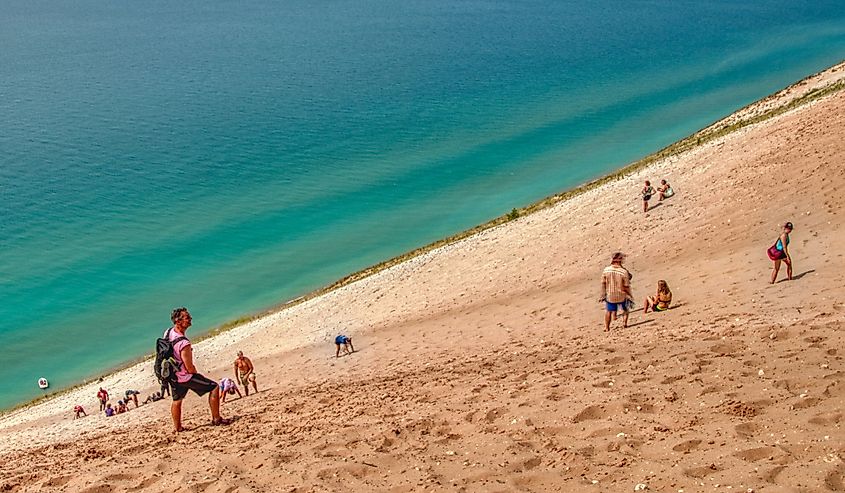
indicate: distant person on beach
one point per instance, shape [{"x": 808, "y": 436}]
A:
[
  {"x": 227, "y": 387},
  {"x": 187, "y": 377},
  {"x": 77, "y": 410},
  {"x": 616, "y": 290},
  {"x": 131, "y": 395},
  {"x": 779, "y": 252},
  {"x": 245, "y": 372},
  {"x": 664, "y": 191},
  {"x": 661, "y": 300},
  {"x": 346, "y": 342},
  {"x": 647, "y": 192},
  {"x": 155, "y": 396},
  {"x": 121, "y": 407},
  {"x": 109, "y": 410},
  {"x": 103, "y": 396}
]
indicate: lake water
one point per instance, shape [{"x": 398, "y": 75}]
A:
[{"x": 228, "y": 156}]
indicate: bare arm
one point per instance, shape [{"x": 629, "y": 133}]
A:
[
  {"x": 783, "y": 242},
  {"x": 236, "y": 370},
  {"x": 249, "y": 367},
  {"x": 188, "y": 359},
  {"x": 603, "y": 288}
]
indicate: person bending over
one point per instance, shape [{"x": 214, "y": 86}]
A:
[
  {"x": 228, "y": 387},
  {"x": 346, "y": 342}
]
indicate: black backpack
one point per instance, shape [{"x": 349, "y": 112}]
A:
[{"x": 165, "y": 365}]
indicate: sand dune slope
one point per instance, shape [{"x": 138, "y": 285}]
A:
[{"x": 483, "y": 366}]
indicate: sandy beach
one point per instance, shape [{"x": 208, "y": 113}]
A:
[{"x": 482, "y": 365}]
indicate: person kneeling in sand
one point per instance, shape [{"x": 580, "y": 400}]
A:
[
  {"x": 245, "y": 372},
  {"x": 661, "y": 300},
  {"x": 77, "y": 409},
  {"x": 131, "y": 395},
  {"x": 346, "y": 342},
  {"x": 228, "y": 387},
  {"x": 187, "y": 377}
]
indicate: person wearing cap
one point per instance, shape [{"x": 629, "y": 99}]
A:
[
  {"x": 245, "y": 372},
  {"x": 616, "y": 290},
  {"x": 779, "y": 252}
]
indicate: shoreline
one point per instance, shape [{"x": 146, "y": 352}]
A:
[
  {"x": 482, "y": 365},
  {"x": 811, "y": 88}
]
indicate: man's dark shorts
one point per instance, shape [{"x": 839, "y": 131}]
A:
[{"x": 198, "y": 383}]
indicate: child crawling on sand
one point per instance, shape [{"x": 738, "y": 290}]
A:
[{"x": 346, "y": 342}]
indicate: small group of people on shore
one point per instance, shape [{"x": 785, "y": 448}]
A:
[
  {"x": 664, "y": 191},
  {"x": 618, "y": 296},
  {"x": 106, "y": 407}
]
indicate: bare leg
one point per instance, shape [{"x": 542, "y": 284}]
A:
[
  {"x": 775, "y": 271},
  {"x": 350, "y": 345},
  {"x": 176, "y": 414},
  {"x": 788, "y": 268},
  {"x": 645, "y": 205},
  {"x": 625, "y": 320},
  {"x": 607, "y": 321},
  {"x": 214, "y": 404},
  {"x": 337, "y": 353},
  {"x": 646, "y": 304},
  {"x": 254, "y": 385}
]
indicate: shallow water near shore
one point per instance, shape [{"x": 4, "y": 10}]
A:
[{"x": 227, "y": 158}]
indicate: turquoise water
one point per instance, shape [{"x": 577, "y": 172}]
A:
[{"x": 228, "y": 156}]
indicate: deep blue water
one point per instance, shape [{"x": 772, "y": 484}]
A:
[{"x": 228, "y": 156}]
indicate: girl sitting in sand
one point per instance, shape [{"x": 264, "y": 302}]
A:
[{"x": 661, "y": 300}]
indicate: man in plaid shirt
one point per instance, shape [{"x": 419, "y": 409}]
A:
[{"x": 616, "y": 290}]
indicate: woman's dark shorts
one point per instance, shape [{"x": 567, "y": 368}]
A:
[{"x": 198, "y": 383}]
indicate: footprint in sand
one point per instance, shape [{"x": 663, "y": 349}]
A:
[
  {"x": 835, "y": 479},
  {"x": 589, "y": 413},
  {"x": 100, "y": 488},
  {"x": 807, "y": 402},
  {"x": 826, "y": 419},
  {"x": 56, "y": 481},
  {"x": 747, "y": 430},
  {"x": 687, "y": 446},
  {"x": 755, "y": 454},
  {"x": 727, "y": 348},
  {"x": 703, "y": 471}
]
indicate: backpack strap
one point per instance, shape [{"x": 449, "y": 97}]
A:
[{"x": 174, "y": 341}]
